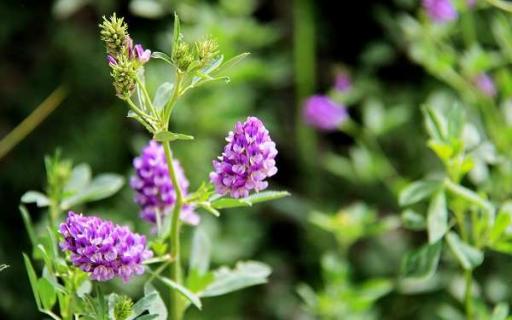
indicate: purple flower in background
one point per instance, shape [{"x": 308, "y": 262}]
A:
[
  {"x": 154, "y": 191},
  {"x": 103, "y": 249},
  {"x": 248, "y": 159},
  {"x": 343, "y": 82},
  {"x": 471, "y": 3},
  {"x": 323, "y": 113},
  {"x": 486, "y": 85},
  {"x": 440, "y": 10}
]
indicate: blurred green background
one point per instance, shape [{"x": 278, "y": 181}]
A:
[{"x": 296, "y": 48}]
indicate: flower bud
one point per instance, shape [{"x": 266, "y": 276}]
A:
[
  {"x": 124, "y": 75},
  {"x": 114, "y": 32},
  {"x": 206, "y": 50},
  {"x": 183, "y": 56}
]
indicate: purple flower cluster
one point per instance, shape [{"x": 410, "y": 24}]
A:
[
  {"x": 103, "y": 249},
  {"x": 323, "y": 113},
  {"x": 485, "y": 84},
  {"x": 135, "y": 52},
  {"x": 154, "y": 191},
  {"x": 248, "y": 159},
  {"x": 440, "y": 11}
]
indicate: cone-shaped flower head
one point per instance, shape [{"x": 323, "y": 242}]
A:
[
  {"x": 323, "y": 113},
  {"x": 103, "y": 249},
  {"x": 486, "y": 85},
  {"x": 154, "y": 191},
  {"x": 124, "y": 75},
  {"x": 114, "y": 32},
  {"x": 248, "y": 159},
  {"x": 440, "y": 11}
]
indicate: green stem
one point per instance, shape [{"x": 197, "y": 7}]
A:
[
  {"x": 468, "y": 195},
  {"x": 148, "y": 99},
  {"x": 468, "y": 28},
  {"x": 32, "y": 121},
  {"x": 175, "y": 94},
  {"x": 304, "y": 68},
  {"x": 468, "y": 294},
  {"x": 176, "y": 303}
]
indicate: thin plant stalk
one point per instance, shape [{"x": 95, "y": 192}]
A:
[
  {"x": 32, "y": 121},
  {"x": 175, "y": 272},
  {"x": 304, "y": 69}
]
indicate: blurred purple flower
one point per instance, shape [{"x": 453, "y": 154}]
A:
[
  {"x": 103, "y": 249},
  {"x": 440, "y": 10},
  {"x": 471, "y": 3},
  {"x": 248, "y": 159},
  {"x": 323, "y": 113},
  {"x": 343, "y": 82},
  {"x": 154, "y": 191},
  {"x": 485, "y": 84}
]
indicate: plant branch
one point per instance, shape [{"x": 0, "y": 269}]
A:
[
  {"x": 176, "y": 307},
  {"x": 32, "y": 121}
]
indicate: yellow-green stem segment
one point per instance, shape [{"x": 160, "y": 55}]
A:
[{"x": 176, "y": 300}]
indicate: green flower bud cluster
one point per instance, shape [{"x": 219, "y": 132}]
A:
[
  {"x": 123, "y": 308},
  {"x": 114, "y": 32},
  {"x": 206, "y": 50},
  {"x": 197, "y": 55},
  {"x": 124, "y": 73}
]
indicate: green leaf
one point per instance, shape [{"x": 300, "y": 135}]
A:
[
  {"x": 158, "y": 306},
  {"x": 40, "y": 199},
  {"x": 224, "y": 203},
  {"x": 145, "y": 303},
  {"x": 28, "y": 225},
  {"x": 413, "y": 220},
  {"x": 203, "y": 74},
  {"x": 184, "y": 291},
  {"x": 163, "y": 136},
  {"x": 435, "y": 123},
  {"x": 162, "y": 95},
  {"x": 456, "y": 121},
  {"x": 374, "y": 289},
  {"x": 79, "y": 179},
  {"x": 33, "y": 280},
  {"x": 149, "y": 317},
  {"x": 244, "y": 275},
  {"x": 418, "y": 191},
  {"x": 101, "y": 187},
  {"x": 161, "y": 56},
  {"x": 258, "y": 197},
  {"x": 468, "y": 256},
  {"x": 201, "y": 251},
  {"x": 421, "y": 263},
  {"x": 176, "y": 34},
  {"x": 84, "y": 288},
  {"x": 230, "y": 63},
  {"x": 501, "y": 224},
  {"x": 437, "y": 218},
  {"x": 47, "y": 293},
  {"x": 500, "y": 312}
]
